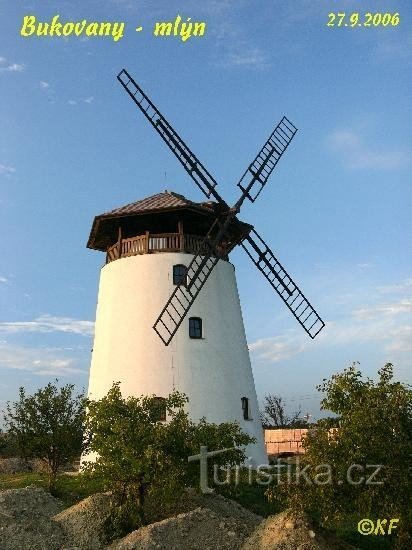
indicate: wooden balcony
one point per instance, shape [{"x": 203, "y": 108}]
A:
[{"x": 152, "y": 243}]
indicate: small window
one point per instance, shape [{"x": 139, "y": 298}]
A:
[
  {"x": 245, "y": 408},
  {"x": 159, "y": 408},
  {"x": 179, "y": 274},
  {"x": 195, "y": 327}
]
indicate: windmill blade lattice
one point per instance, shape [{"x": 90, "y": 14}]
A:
[
  {"x": 282, "y": 282},
  {"x": 251, "y": 184},
  {"x": 183, "y": 296},
  {"x": 198, "y": 271},
  {"x": 202, "y": 178},
  {"x": 257, "y": 174}
]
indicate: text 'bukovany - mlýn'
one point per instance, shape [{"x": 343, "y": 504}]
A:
[{"x": 112, "y": 29}]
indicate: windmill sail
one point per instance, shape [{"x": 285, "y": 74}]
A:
[
  {"x": 257, "y": 174},
  {"x": 202, "y": 178},
  {"x": 217, "y": 245},
  {"x": 282, "y": 282}
]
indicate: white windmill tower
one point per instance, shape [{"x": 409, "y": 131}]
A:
[{"x": 167, "y": 269}]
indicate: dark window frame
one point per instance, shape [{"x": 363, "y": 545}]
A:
[
  {"x": 179, "y": 274},
  {"x": 195, "y": 328},
  {"x": 246, "y": 408}
]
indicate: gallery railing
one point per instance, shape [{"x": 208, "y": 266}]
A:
[{"x": 152, "y": 243}]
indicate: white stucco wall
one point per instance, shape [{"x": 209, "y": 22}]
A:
[{"x": 214, "y": 372}]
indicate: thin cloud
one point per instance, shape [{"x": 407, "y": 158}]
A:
[
  {"x": 89, "y": 100},
  {"x": 401, "y": 340},
  {"x": 39, "y": 361},
  {"x": 3, "y": 280},
  {"x": 48, "y": 323},
  {"x": 48, "y": 91},
  {"x": 6, "y": 170},
  {"x": 350, "y": 331},
  {"x": 233, "y": 49},
  {"x": 247, "y": 57},
  {"x": 385, "y": 324},
  {"x": 358, "y": 155},
  {"x": 277, "y": 348},
  {"x": 388, "y": 309},
  {"x": 403, "y": 287},
  {"x": 8, "y": 67},
  {"x": 394, "y": 338}
]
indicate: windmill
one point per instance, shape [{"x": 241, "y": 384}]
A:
[
  {"x": 225, "y": 232},
  {"x": 167, "y": 267}
]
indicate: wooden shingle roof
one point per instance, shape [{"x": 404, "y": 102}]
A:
[
  {"x": 158, "y": 213},
  {"x": 160, "y": 201}
]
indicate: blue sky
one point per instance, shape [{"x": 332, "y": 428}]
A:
[{"x": 336, "y": 210}]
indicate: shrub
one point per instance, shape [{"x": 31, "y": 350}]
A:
[
  {"x": 47, "y": 425},
  {"x": 374, "y": 435},
  {"x": 139, "y": 456}
]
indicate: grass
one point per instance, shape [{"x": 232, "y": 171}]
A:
[
  {"x": 69, "y": 488},
  {"x": 16, "y": 481}
]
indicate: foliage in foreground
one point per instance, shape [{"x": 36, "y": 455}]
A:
[
  {"x": 375, "y": 428},
  {"x": 8, "y": 446},
  {"x": 139, "y": 456},
  {"x": 47, "y": 425}
]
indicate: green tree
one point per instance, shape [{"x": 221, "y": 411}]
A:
[
  {"x": 374, "y": 436},
  {"x": 8, "y": 446},
  {"x": 138, "y": 456},
  {"x": 47, "y": 425},
  {"x": 3, "y": 442}
]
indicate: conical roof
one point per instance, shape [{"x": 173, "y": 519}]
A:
[{"x": 154, "y": 203}]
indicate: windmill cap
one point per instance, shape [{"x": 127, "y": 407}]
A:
[{"x": 159, "y": 213}]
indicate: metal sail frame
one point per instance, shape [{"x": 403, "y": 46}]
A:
[{"x": 251, "y": 184}]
